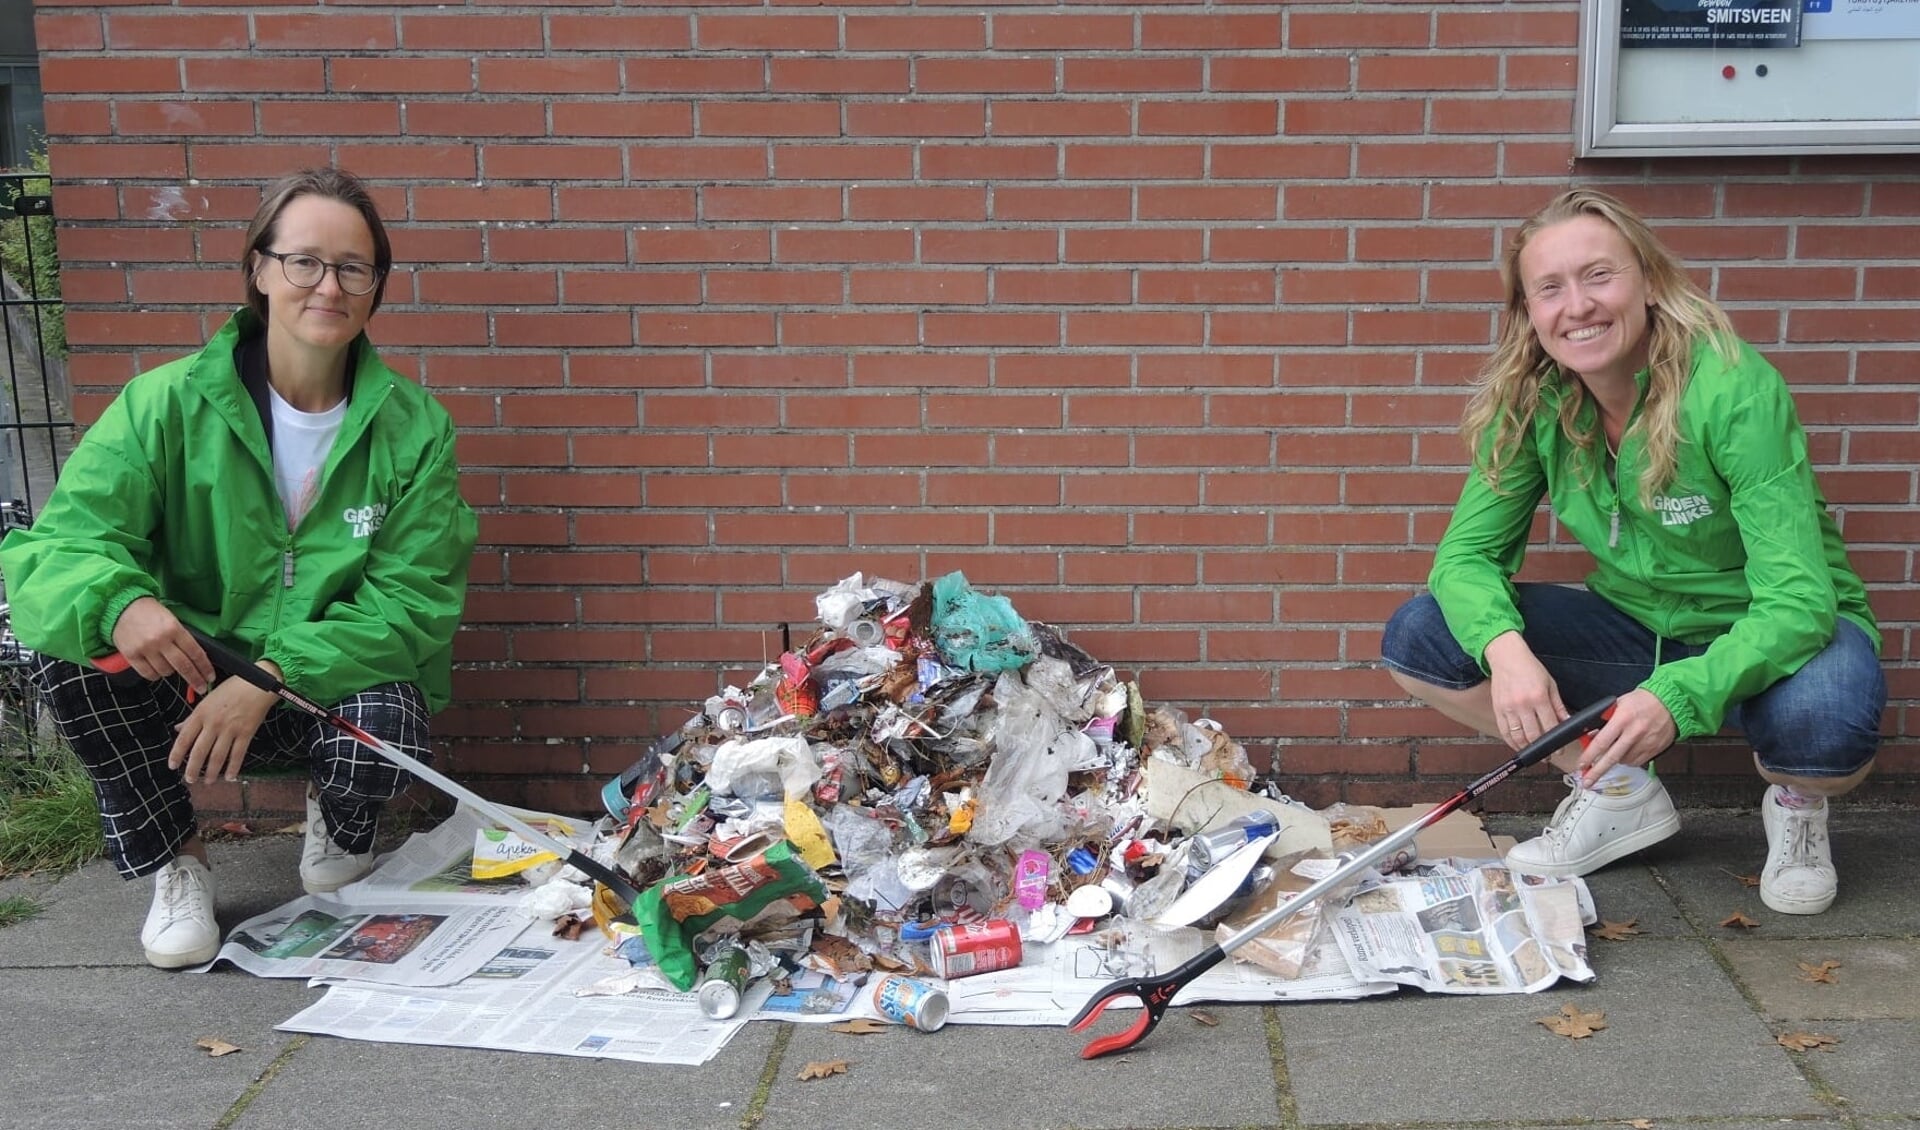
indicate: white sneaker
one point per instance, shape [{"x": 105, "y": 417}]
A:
[
  {"x": 325, "y": 866},
  {"x": 1799, "y": 877},
  {"x": 180, "y": 929},
  {"x": 1594, "y": 827}
]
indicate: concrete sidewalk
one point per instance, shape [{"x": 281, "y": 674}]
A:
[{"x": 95, "y": 1038}]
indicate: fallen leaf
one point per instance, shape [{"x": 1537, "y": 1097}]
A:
[
  {"x": 1640, "y": 1123},
  {"x": 1201, "y": 1016},
  {"x": 859, "y": 1026},
  {"x": 1806, "y": 1042},
  {"x": 237, "y": 828},
  {"x": 297, "y": 828},
  {"x": 571, "y": 926},
  {"x": 216, "y": 1047},
  {"x": 821, "y": 1068},
  {"x": 1617, "y": 931},
  {"x": 1822, "y": 972},
  {"x": 1745, "y": 880},
  {"x": 1740, "y": 920},
  {"x": 1574, "y": 1024}
]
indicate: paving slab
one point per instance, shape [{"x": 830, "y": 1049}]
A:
[
  {"x": 978, "y": 1077},
  {"x": 1872, "y": 1068},
  {"x": 1874, "y": 850},
  {"x": 93, "y": 917},
  {"x": 1677, "y": 1027},
  {"x": 336, "y": 1084},
  {"x": 1878, "y": 979},
  {"x": 115, "y": 1048}
]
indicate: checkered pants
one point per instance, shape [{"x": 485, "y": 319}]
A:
[{"x": 122, "y": 733}]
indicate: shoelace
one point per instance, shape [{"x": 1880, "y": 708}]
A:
[
  {"x": 176, "y": 893},
  {"x": 1803, "y": 840},
  {"x": 1565, "y": 816}
]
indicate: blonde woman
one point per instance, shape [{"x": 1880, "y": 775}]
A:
[{"x": 1721, "y": 592}]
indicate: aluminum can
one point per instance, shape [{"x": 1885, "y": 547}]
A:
[
  {"x": 1209, "y": 848},
  {"x": 905, "y": 1000},
  {"x": 724, "y": 983},
  {"x": 867, "y": 633},
  {"x": 976, "y": 947}
]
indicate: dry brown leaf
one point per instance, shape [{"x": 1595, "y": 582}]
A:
[
  {"x": 1822, "y": 972},
  {"x": 297, "y": 828},
  {"x": 1745, "y": 880},
  {"x": 1202, "y": 1016},
  {"x": 821, "y": 1068},
  {"x": 216, "y": 1047},
  {"x": 1806, "y": 1042},
  {"x": 1740, "y": 920},
  {"x": 1572, "y": 1023},
  {"x": 1640, "y": 1123},
  {"x": 859, "y": 1026},
  {"x": 571, "y": 926},
  {"x": 1617, "y": 931}
]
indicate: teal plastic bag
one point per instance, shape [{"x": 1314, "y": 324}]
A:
[{"x": 977, "y": 632}]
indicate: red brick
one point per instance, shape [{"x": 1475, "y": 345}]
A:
[
  {"x": 1278, "y": 328},
  {"x": 1281, "y": 161},
  {"x": 917, "y": 287},
  {"x": 1061, "y": 119},
  {"x": 1359, "y": 117},
  {"x": 62, "y": 75},
  {"x": 706, "y": 329},
  {"x": 1062, "y": 33},
  {"x": 1117, "y": 75},
  {"x": 1505, "y": 29},
  {"x": 253, "y": 161},
  {"x": 981, "y": 76},
  {"x": 68, "y": 31},
  {"x": 326, "y": 119},
  {"x": 946, "y": 246},
  {"x": 410, "y": 76},
  {"x": 775, "y": 288},
  {"x": 174, "y": 31},
  {"x": 863, "y": 161},
  {"x": 1429, "y": 72},
  {"x": 848, "y": 329},
  {"x": 1217, "y": 118},
  {"x": 333, "y": 31},
  {"x": 472, "y": 33},
  {"x": 718, "y": 75},
  {"x": 1370, "y": 29},
  {"x": 625, "y": 32},
  {"x": 839, "y": 76},
  {"x": 992, "y": 488},
  {"x": 476, "y": 119},
  {"x": 558, "y": 76},
  {"x": 918, "y": 32},
  {"x": 1062, "y": 288},
  {"x": 915, "y": 202},
  {"x": 769, "y": 119},
  {"x": 916, "y": 119},
  {"x": 78, "y": 119},
  {"x": 766, "y": 33},
  {"x": 1121, "y": 245},
  {"x": 1502, "y": 116}
]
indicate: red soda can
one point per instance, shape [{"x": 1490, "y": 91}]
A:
[{"x": 975, "y": 947}]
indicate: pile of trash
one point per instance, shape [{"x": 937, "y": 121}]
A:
[{"x": 927, "y": 781}]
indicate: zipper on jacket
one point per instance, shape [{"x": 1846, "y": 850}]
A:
[{"x": 286, "y": 569}]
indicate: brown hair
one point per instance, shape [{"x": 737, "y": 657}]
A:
[
  {"x": 1679, "y": 314},
  {"x": 332, "y": 184}
]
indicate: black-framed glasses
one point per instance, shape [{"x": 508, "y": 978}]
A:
[{"x": 303, "y": 270}]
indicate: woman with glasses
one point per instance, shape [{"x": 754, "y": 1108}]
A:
[
  {"x": 1720, "y": 595},
  {"x": 282, "y": 490}
]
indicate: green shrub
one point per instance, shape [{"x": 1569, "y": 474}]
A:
[{"x": 35, "y": 233}]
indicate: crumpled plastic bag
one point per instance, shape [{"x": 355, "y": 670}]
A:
[
  {"x": 977, "y": 632},
  {"x": 1033, "y": 750},
  {"x": 675, "y": 911}
]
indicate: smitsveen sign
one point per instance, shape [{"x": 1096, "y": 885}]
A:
[{"x": 1710, "y": 23}]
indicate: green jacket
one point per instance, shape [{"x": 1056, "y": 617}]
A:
[
  {"x": 171, "y": 495},
  {"x": 1738, "y": 552}
]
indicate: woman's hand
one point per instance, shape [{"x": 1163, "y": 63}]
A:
[
  {"x": 213, "y": 741},
  {"x": 1526, "y": 701},
  {"x": 1640, "y": 730},
  {"x": 156, "y": 644}
]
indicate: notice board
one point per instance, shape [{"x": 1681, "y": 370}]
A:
[{"x": 1687, "y": 77}]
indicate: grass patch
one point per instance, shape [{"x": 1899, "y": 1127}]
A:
[
  {"x": 48, "y": 818},
  {"x": 16, "y": 909}
]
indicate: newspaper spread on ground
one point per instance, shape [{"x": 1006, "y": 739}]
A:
[
  {"x": 1457, "y": 926},
  {"x": 421, "y": 952},
  {"x": 527, "y": 998}
]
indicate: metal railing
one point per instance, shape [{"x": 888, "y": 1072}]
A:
[{"x": 36, "y": 419}]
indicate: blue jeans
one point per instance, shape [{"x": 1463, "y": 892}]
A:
[{"x": 1821, "y": 721}]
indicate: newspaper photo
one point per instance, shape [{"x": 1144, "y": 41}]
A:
[
  {"x": 387, "y": 943},
  {"x": 1464, "y": 927}
]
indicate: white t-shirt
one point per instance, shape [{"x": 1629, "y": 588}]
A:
[{"x": 301, "y": 441}]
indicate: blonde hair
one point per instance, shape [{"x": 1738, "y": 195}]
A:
[{"x": 1679, "y": 314}]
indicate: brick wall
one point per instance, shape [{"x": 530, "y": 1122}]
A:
[{"x": 1155, "y": 319}]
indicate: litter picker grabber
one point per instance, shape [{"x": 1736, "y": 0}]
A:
[
  {"x": 233, "y": 663},
  {"x": 1156, "y": 993}
]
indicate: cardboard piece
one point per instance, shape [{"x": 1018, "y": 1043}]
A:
[
  {"x": 1192, "y": 801},
  {"x": 1458, "y": 833}
]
